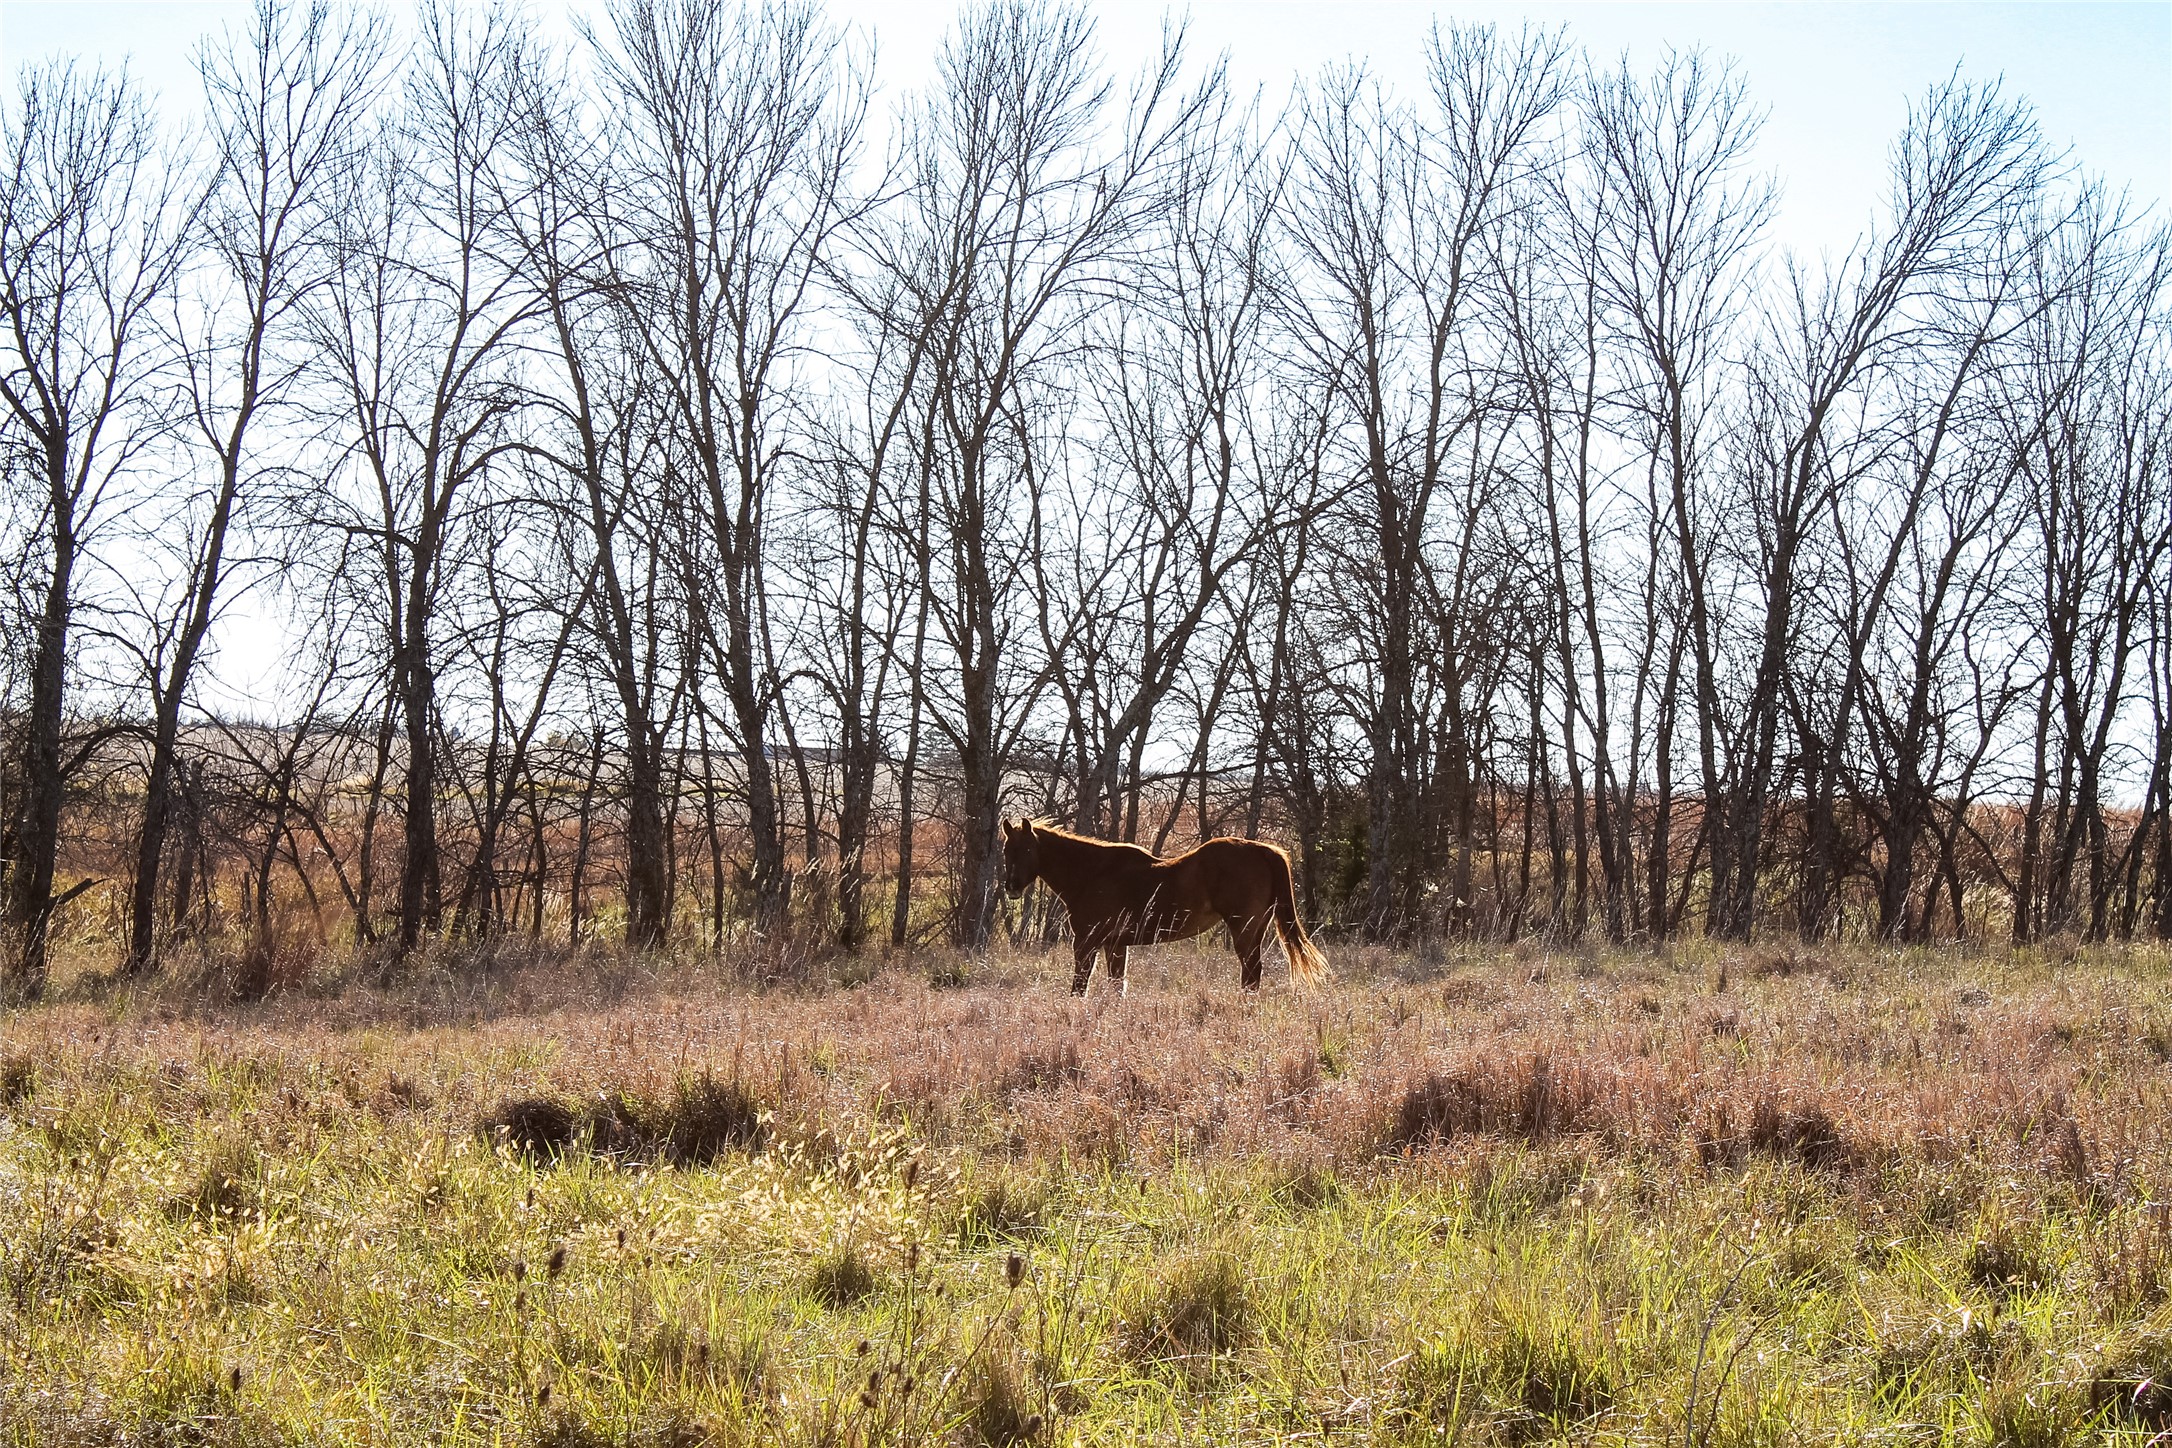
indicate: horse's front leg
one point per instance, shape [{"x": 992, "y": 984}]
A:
[
  {"x": 1114, "y": 954},
  {"x": 1082, "y": 967}
]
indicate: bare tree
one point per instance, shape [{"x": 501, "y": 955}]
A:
[
  {"x": 741, "y": 128},
  {"x": 286, "y": 102},
  {"x": 1677, "y": 221},
  {"x": 2092, "y": 462},
  {"x": 1013, "y": 208},
  {"x": 413, "y": 328},
  {"x": 1393, "y": 212},
  {"x": 1176, "y": 499},
  {"x": 1966, "y": 169},
  {"x": 603, "y": 434},
  {"x": 94, "y": 225}
]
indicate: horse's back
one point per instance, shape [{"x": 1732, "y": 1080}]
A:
[
  {"x": 1235, "y": 873},
  {"x": 1238, "y": 852}
]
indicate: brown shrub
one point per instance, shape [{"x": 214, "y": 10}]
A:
[
  {"x": 402, "y": 1094},
  {"x": 1779, "y": 963},
  {"x": 841, "y": 1279},
  {"x": 270, "y": 961},
  {"x": 999, "y": 1412},
  {"x": 1004, "y": 1208},
  {"x": 2069, "y": 1154},
  {"x": 541, "y": 1128},
  {"x": 1303, "y": 1185},
  {"x": 1298, "y": 1077},
  {"x": 2133, "y": 1385},
  {"x": 2000, "y": 1262},
  {"x": 2132, "y": 1257},
  {"x": 226, "y": 1183},
  {"x": 707, "y": 1118}
]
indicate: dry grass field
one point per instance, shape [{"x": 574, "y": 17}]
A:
[{"x": 1502, "y": 1197}]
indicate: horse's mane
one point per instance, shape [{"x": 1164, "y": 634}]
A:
[{"x": 1043, "y": 829}]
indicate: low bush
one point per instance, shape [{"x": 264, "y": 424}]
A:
[
  {"x": 18, "y": 1078},
  {"x": 227, "y": 1182},
  {"x": 2132, "y": 1385},
  {"x": 1002, "y": 1206}
]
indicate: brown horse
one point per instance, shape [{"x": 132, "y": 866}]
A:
[{"x": 1120, "y": 896}]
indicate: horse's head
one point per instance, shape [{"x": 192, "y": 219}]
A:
[{"x": 1021, "y": 857}]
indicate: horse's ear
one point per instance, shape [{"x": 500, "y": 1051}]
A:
[{"x": 1009, "y": 830}]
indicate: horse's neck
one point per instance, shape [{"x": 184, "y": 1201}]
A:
[{"x": 1067, "y": 861}]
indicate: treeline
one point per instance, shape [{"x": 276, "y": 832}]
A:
[{"x": 629, "y": 477}]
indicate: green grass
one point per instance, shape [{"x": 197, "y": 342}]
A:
[{"x": 240, "y": 1229}]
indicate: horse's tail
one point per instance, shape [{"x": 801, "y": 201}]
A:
[{"x": 1306, "y": 961}]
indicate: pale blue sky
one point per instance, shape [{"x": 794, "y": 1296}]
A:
[{"x": 1835, "y": 77}]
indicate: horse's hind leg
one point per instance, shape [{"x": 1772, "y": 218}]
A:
[
  {"x": 1114, "y": 954},
  {"x": 1082, "y": 967},
  {"x": 1250, "y": 938}
]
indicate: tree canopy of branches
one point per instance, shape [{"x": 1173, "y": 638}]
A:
[{"x": 641, "y": 487}]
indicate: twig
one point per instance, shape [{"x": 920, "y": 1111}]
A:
[{"x": 1704, "y": 1338}]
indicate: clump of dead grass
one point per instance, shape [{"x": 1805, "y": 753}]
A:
[
  {"x": 1521, "y": 1383},
  {"x": 998, "y": 1397},
  {"x": 2130, "y": 1256},
  {"x": 2003, "y": 1261},
  {"x": 1533, "y": 1098},
  {"x": 2132, "y": 1384},
  {"x": 18, "y": 1078},
  {"x": 1002, "y": 1206},
  {"x": 1195, "y": 1307},
  {"x": 1044, "y": 1066},
  {"x": 228, "y": 1182},
  {"x": 698, "y": 1120},
  {"x": 542, "y": 1128},
  {"x": 1303, "y": 1185},
  {"x": 842, "y": 1278},
  {"x": 707, "y": 1117},
  {"x": 1779, "y": 1129}
]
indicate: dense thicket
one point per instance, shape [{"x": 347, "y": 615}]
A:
[{"x": 642, "y": 487}]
